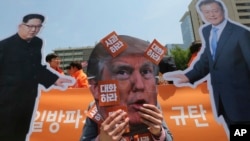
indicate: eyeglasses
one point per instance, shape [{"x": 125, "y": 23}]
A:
[{"x": 33, "y": 26}]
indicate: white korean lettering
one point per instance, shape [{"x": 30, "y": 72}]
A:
[
  {"x": 194, "y": 113},
  {"x": 108, "y": 97},
  {"x": 60, "y": 116},
  {"x": 54, "y": 127},
  {"x": 37, "y": 127},
  {"x": 157, "y": 49},
  {"x": 181, "y": 118},
  {"x": 73, "y": 117},
  {"x": 98, "y": 117},
  {"x": 44, "y": 115},
  {"x": 116, "y": 46},
  {"x": 37, "y": 115},
  {"x": 51, "y": 117},
  {"x": 108, "y": 88},
  {"x": 153, "y": 55},
  {"x": 111, "y": 40}
]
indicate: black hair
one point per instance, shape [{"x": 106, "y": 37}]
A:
[
  {"x": 205, "y": 2},
  {"x": 195, "y": 47},
  {"x": 26, "y": 18},
  {"x": 76, "y": 64},
  {"x": 51, "y": 56}
]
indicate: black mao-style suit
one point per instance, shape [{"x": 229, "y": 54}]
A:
[
  {"x": 229, "y": 72},
  {"x": 21, "y": 71}
]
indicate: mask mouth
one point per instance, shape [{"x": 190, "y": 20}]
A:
[
  {"x": 136, "y": 104},
  {"x": 140, "y": 102}
]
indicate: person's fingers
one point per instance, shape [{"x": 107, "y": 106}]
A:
[
  {"x": 152, "y": 117},
  {"x": 110, "y": 121},
  {"x": 115, "y": 125},
  {"x": 120, "y": 128},
  {"x": 150, "y": 120},
  {"x": 149, "y": 110}
]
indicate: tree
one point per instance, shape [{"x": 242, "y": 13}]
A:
[{"x": 181, "y": 57}]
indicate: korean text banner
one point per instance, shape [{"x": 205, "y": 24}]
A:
[{"x": 187, "y": 112}]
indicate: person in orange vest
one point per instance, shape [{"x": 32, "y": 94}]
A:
[
  {"x": 75, "y": 70},
  {"x": 54, "y": 62}
]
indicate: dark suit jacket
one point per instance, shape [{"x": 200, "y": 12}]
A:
[
  {"x": 230, "y": 71},
  {"x": 20, "y": 73}
]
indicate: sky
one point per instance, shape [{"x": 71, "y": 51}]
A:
[{"x": 78, "y": 23}]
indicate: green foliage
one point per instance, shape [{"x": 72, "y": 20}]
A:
[{"x": 181, "y": 57}]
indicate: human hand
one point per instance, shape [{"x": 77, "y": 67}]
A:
[
  {"x": 64, "y": 82},
  {"x": 114, "y": 126},
  {"x": 152, "y": 117},
  {"x": 178, "y": 77}
]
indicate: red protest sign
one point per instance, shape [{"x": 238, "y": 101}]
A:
[
  {"x": 113, "y": 44},
  {"x": 108, "y": 93},
  {"x": 155, "y": 52}
]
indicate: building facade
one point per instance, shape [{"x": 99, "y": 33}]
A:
[
  {"x": 68, "y": 55},
  {"x": 187, "y": 30}
]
